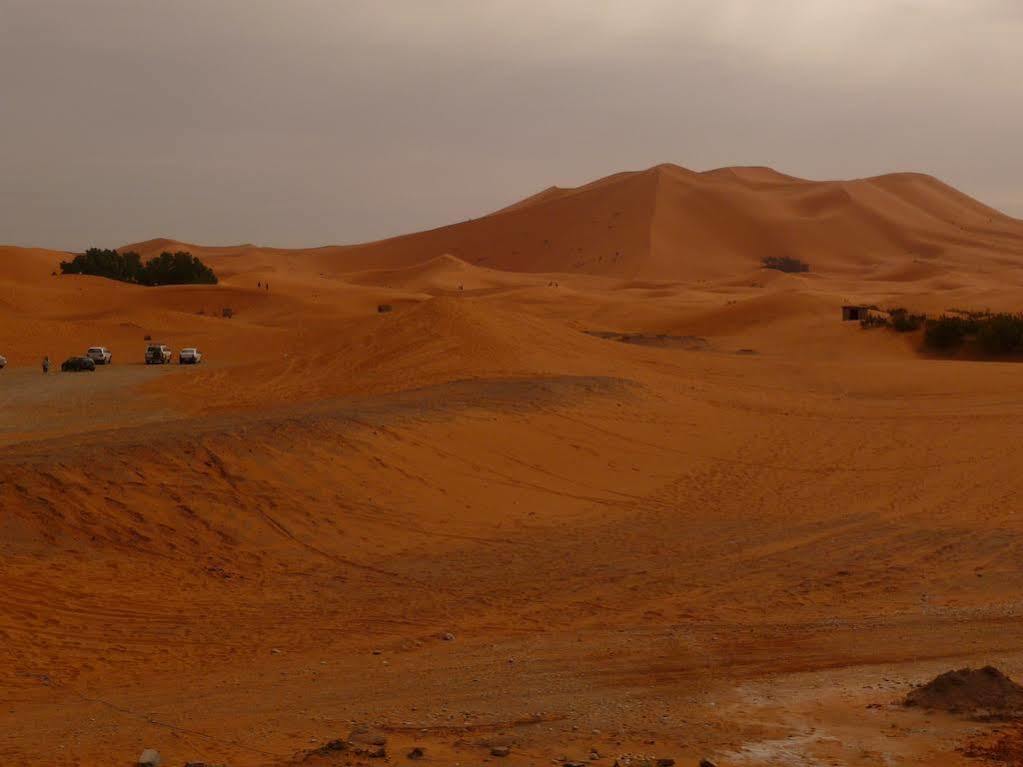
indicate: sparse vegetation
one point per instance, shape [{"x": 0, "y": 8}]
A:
[
  {"x": 948, "y": 332},
  {"x": 785, "y": 264},
  {"x": 1001, "y": 334},
  {"x": 971, "y": 314},
  {"x": 996, "y": 335},
  {"x": 179, "y": 268},
  {"x": 874, "y": 320},
  {"x": 902, "y": 321}
]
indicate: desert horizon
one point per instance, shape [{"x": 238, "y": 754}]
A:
[
  {"x": 652, "y": 467},
  {"x": 751, "y": 171}
]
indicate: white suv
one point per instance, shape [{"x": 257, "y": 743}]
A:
[
  {"x": 189, "y": 356},
  {"x": 100, "y": 355}
]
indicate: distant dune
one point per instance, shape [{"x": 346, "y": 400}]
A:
[{"x": 670, "y": 223}]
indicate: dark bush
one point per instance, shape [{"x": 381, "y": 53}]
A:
[
  {"x": 947, "y": 332},
  {"x": 1001, "y": 334},
  {"x": 785, "y": 264},
  {"x": 904, "y": 322},
  {"x": 993, "y": 334},
  {"x": 126, "y": 267},
  {"x": 179, "y": 268}
]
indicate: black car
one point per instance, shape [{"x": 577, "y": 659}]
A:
[{"x": 77, "y": 365}]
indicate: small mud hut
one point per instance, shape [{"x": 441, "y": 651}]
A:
[{"x": 853, "y": 313}]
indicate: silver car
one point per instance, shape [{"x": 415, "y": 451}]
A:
[{"x": 100, "y": 355}]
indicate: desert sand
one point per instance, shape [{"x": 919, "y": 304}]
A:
[{"x": 471, "y": 522}]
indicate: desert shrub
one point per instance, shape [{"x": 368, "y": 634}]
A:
[
  {"x": 948, "y": 332},
  {"x": 126, "y": 267},
  {"x": 873, "y": 320},
  {"x": 179, "y": 268},
  {"x": 785, "y": 264},
  {"x": 904, "y": 322},
  {"x": 971, "y": 314},
  {"x": 1001, "y": 334},
  {"x": 993, "y": 334}
]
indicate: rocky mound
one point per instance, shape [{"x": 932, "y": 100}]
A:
[{"x": 976, "y": 691}]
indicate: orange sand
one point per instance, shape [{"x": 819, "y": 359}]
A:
[{"x": 638, "y": 549}]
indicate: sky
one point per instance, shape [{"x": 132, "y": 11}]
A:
[{"x": 296, "y": 123}]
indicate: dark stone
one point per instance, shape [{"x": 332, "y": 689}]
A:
[
  {"x": 416, "y": 753},
  {"x": 500, "y": 751},
  {"x": 364, "y": 735}
]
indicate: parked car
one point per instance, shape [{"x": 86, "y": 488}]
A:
[
  {"x": 189, "y": 356},
  {"x": 77, "y": 365},
  {"x": 3, "y": 362},
  {"x": 100, "y": 355},
  {"x": 158, "y": 354}
]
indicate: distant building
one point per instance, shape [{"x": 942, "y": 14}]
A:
[{"x": 854, "y": 313}]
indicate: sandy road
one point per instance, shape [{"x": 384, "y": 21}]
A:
[{"x": 36, "y": 406}]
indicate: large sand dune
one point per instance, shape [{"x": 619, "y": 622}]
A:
[
  {"x": 597, "y": 482},
  {"x": 669, "y": 223}
]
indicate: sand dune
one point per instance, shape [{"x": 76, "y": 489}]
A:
[
  {"x": 596, "y": 481},
  {"x": 443, "y": 274},
  {"x": 669, "y": 223}
]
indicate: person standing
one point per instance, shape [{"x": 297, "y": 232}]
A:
[{"x": 46, "y": 364}]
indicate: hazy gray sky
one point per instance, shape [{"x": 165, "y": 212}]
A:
[{"x": 305, "y": 122}]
